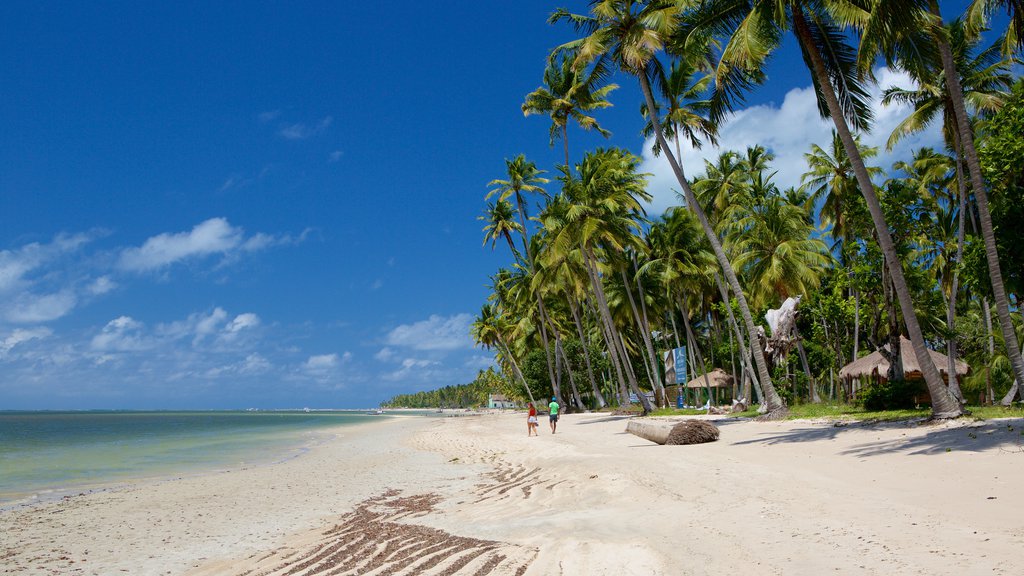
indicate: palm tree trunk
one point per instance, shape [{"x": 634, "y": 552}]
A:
[
  {"x": 515, "y": 367},
  {"x": 981, "y": 198},
  {"x": 568, "y": 368},
  {"x": 547, "y": 348},
  {"x": 693, "y": 346},
  {"x": 943, "y": 404},
  {"x": 611, "y": 348},
  {"x": 745, "y": 359},
  {"x": 615, "y": 344},
  {"x": 645, "y": 335},
  {"x": 598, "y": 397},
  {"x": 991, "y": 394},
  {"x": 774, "y": 404},
  {"x": 856, "y": 324}
]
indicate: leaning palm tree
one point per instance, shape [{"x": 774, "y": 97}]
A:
[
  {"x": 775, "y": 251},
  {"x": 630, "y": 34},
  {"x": 756, "y": 28},
  {"x": 501, "y": 224},
  {"x": 907, "y": 32},
  {"x": 831, "y": 184},
  {"x": 603, "y": 216},
  {"x": 567, "y": 94},
  {"x": 488, "y": 330},
  {"x": 681, "y": 92}
]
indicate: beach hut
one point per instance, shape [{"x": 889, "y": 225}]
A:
[
  {"x": 875, "y": 366},
  {"x": 718, "y": 378},
  {"x": 499, "y": 401}
]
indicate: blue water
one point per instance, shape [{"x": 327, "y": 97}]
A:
[{"x": 52, "y": 453}]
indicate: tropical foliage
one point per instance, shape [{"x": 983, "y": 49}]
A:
[{"x": 597, "y": 290}]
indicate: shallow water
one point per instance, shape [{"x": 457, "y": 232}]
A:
[{"x": 52, "y": 453}]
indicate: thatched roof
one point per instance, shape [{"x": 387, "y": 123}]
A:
[
  {"x": 719, "y": 379},
  {"x": 875, "y": 363}
]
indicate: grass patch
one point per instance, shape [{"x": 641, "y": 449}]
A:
[{"x": 857, "y": 413}]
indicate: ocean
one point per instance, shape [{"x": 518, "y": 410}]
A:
[{"x": 45, "y": 455}]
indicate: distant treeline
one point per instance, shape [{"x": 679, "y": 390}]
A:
[{"x": 470, "y": 395}]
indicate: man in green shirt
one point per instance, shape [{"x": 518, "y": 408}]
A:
[{"x": 553, "y": 414}]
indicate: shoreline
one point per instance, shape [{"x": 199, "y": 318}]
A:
[{"x": 422, "y": 495}]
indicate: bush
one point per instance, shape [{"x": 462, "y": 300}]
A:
[{"x": 895, "y": 395}]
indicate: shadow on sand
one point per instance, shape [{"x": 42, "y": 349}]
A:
[{"x": 940, "y": 438}]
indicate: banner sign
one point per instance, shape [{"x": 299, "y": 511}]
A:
[{"x": 675, "y": 366}]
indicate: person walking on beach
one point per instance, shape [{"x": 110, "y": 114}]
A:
[
  {"x": 553, "y": 414},
  {"x": 531, "y": 421}
]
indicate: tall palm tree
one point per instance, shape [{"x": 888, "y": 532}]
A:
[
  {"x": 568, "y": 93},
  {"x": 682, "y": 93},
  {"x": 630, "y": 34},
  {"x": 501, "y": 224},
  {"x": 488, "y": 330},
  {"x": 904, "y": 30},
  {"x": 522, "y": 176},
  {"x": 603, "y": 217},
  {"x": 831, "y": 184},
  {"x": 775, "y": 251},
  {"x": 756, "y": 29}
]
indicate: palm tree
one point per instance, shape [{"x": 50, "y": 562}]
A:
[
  {"x": 522, "y": 176},
  {"x": 500, "y": 218},
  {"x": 904, "y": 31},
  {"x": 775, "y": 251},
  {"x": 630, "y": 34},
  {"x": 567, "y": 94},
  {"x": 978, "y": 14},
  {"x": 487, "y": 330},
  {"x": 831, "y": 183},
  {"x": 603, "y": 216},
  {"x": 686, "y": 109},
  {"x": 757, "y": 28}
]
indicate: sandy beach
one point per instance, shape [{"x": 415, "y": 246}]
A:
[{"x": 475, "y": 495}]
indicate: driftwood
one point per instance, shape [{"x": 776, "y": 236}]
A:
[{"x": 662, "y": 432}]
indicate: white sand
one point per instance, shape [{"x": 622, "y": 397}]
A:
[{"x": 767, "y": 498}]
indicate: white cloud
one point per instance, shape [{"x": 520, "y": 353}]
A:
[
  {"x": 384, "y": 354},
  {"x": 335, "y": 156},
  {"x": 412, "y": 368},
  {"x": 300, "y": 131},
  {"x": 242, "y": 322},
  {"x": 31, "y": 308},
  {"x": 787, "y": 131},
  {"x": 269, "y": 115},
  {"x": 122, "y": 334},
  {"x": 20, "y": 336},
  {"x": 434, "y": 333},
  {"x": 15, "y": 265},
  {"x": 213, "y": 236},
  {"x": 101, "y": 286}
]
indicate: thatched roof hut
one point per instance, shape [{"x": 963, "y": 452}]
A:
[
  {"x": 875, "y": 365},
  {"x": 719, "y": 379}
]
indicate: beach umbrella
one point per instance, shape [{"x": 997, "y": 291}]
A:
[{"x": 718, "y": 378}]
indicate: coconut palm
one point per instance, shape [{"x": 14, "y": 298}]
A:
[
  {"x": 682, "y": 93},
  {"x": 775, "y": 251},
  {"x": 905, "y": 32},
  {"x": 567, "y": 94},
  {"x": 501, "y": 224},
  {"x": 630, "y": 34},
  {"x": 756, "y": 29},
  {"x": 603, "y": 216},
  {"x": 831, "y": 184},
  {"x": 488, "y": 330}
]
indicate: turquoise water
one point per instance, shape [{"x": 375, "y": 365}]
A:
[{"x": 52, "y": 453}]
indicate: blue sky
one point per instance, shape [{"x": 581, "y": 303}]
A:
[{"x": 229, "y": 205}]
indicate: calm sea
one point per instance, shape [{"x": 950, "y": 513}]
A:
[{"x": 48, "y": 454}]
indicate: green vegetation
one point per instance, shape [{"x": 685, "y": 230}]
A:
[
  {"x": 596, "y": 290},
  {"x": 859, "y": 413},
  {"x": 472, "y": 395}
]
